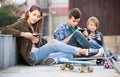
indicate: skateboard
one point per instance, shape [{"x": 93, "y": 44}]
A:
[
  {"x": 108, "y": 61},
  {"x": 112, "y": 63},
  {"x": 100, "y": 60},
  {"x": 70, "y": 64}
]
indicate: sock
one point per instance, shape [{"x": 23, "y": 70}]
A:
[{"x": 86, "y": 53}]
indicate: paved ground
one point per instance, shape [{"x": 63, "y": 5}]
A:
[{"x": 54, "y": 71}]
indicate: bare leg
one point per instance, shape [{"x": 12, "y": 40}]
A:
[{"x": 84, "y": 51}]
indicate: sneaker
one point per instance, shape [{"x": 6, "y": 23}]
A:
[
  {"x": 96, "y": 52},
  {"x": 50, "y": 61},
  {"x": 115, "y": 57},
  {"x": 100, "y": 51},
  {"x": 30, "y": 61},
  {"x": 92, "y": 52}
]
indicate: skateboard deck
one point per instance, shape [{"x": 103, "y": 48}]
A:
[
  {"x": 99, "y": 60},
  {"x": 75, "y": 61},
  {"x": 87, "y": 58},
  {"x": 70, "y": 64}
]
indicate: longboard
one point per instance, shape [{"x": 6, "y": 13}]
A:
[
  {"x": 70, "y": 64},
  {"x": 88, "y": 58},
  {"x": 100, "y": 60}
]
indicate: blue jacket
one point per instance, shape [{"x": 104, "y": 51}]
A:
[{"x": 99, "y": 42}]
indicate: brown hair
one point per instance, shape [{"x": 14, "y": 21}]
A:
[
  {"x": 75, "y": 12},
  {"x": 38, "y": 27},
  {"x": 93, "y": 19}
]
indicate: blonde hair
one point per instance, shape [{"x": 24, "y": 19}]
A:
[{"x": 93, "y": 19}]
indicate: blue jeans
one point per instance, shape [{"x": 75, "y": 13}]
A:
[
  {"x": 77, "y": 40},
  {"x": 43, "y": 52},
  {"x": 56, "y": 56},
  {"x": 94, "y": 44}
]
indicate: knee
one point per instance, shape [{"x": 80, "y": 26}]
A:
[
  {"x": 92, "y": 41},
  {"x": 78, "y": 33}
]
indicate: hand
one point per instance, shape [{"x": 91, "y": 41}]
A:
[
  {"x": 91, "y": 36},
  {"x": 35, "y": 40},
  {"x": 85, "y": 33},
  {"x": 79, "y": 28},
  {"x": 98, "y": 37},
  {"x": 28, "y": 35}
]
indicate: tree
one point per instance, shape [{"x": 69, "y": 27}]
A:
[
  {"x": 6, "y": 15},
  {"x": 1, "y": 1}
]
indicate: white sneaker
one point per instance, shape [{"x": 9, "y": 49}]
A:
[
  {"x": 101, "y": 52},
  {"x": 118, "y": 58}
]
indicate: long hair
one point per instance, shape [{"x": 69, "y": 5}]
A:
[{"x": 38, "y": 26}]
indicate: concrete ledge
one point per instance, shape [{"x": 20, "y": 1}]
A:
[{"x": 8, "y": 51}]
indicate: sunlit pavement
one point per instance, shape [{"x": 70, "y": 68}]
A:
[{"x": 55, "y": 71}]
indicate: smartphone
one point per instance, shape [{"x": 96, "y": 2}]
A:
[
  {"x": 82, "y": 30},
  {"x": 36, "y": 34}
]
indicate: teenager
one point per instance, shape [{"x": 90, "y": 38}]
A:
[{"x": 27, "y": 32}]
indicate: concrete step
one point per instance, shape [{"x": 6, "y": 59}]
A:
[{"x": 113, "y": 43}]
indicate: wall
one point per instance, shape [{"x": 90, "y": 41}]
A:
[
  {"x": 107, "y": 11},
  {"x": 113, "y": 43}
]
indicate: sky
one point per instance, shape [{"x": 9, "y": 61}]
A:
[{"x": 20, "y": 1}]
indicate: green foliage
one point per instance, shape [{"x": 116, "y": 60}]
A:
[{"x": 6, "y": 15}]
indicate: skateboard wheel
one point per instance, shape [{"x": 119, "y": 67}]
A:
[
  {"x": 71, "y": 67},
  {"x": 90, "y": 69},
  {"x": 106, "y": 65},
  {"x": 81, "y": 69},
  {"x": 62, "y": 67},
  {"x": 98, "y": 62}
]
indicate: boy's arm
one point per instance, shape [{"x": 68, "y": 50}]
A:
[
  {"x": 59, "y": 33},
  {"x": 65, "y": 41}
]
